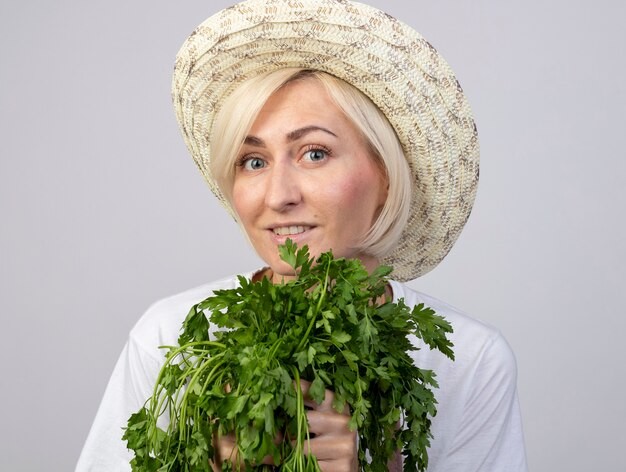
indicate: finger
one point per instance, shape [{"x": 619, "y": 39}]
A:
[
  {"x": 227, "y": 450},
  {"x": 345, "y": 464},
  {"x": 327, "y": 403},
  {"x": 395, "y": 463},
  {"x": 331, "y": 448},
  {"x": 322, "y": 422}
]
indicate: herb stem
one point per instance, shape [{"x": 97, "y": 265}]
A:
[{"x": 317, "y": 309}]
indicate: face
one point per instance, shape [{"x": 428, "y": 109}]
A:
[{"x": 305, "y": 173}]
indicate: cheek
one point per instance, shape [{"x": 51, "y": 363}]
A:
[
  {"x": 243, "y": 200},
  {"x": 356, "y": 200}
]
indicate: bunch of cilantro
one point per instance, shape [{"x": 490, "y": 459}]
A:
[{"x": 326, "y": 326}]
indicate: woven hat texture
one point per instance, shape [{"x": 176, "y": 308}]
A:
[{"x": 384, "y": 58}]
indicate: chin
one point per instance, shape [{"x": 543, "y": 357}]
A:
[{"x": 282, "y": 269}]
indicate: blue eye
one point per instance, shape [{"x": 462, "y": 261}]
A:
[
  {"x": 315, "y": 155},
  {"x": 254, "y": 163}
]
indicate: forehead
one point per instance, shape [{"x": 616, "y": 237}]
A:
[{"x": 299, "y": 103}]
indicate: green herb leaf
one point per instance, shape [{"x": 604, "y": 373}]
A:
[{"x": 330, "y": 326}]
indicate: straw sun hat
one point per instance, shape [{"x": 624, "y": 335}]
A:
[{"x": 384, "y": 58}]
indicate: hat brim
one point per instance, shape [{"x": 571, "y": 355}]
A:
[{"x": 387, "y": 60}]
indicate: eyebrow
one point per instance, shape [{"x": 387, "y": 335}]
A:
[{"x": 291, "y": 136}]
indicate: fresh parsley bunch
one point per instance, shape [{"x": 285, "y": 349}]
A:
[{"x": 326, "y": 326}]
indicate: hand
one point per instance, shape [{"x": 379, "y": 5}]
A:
[
  {"x": 227, "y": 449},
  {"x": 334, "y": 445}
]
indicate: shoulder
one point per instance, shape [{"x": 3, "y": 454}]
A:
[
  {"x": 454, "y": 315},
  {"x": 478, "y": 414},
  {"x": 483, "y": 358},
  {"x": 474, "y": 340},
  {"x": 161, "y": 323}
]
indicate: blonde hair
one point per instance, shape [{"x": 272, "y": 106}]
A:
[{"x": 238, "y": 112}]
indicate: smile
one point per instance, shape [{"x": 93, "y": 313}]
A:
[{"x": 290, "y": 230}]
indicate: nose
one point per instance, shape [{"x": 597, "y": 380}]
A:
[{"x": 283, "y": 188}]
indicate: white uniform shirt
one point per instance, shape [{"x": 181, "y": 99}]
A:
[{"x": 477, "y": 427}]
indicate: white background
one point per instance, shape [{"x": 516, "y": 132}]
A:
[{"x": 103, "y": 211}]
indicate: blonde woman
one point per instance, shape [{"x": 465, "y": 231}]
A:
[{"x": 332, "y": 124}]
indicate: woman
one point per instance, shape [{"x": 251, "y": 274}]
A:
[{"x": 337, "y": 126}]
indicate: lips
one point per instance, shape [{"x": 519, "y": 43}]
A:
[{"x": 290, "y": 230}]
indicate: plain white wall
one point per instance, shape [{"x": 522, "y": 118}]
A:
[{"x": 103, "y": 211}]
